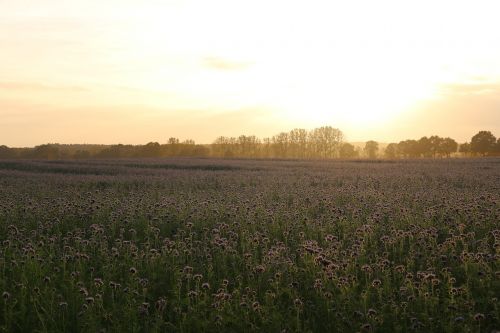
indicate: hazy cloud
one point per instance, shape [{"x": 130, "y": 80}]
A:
[
  {"x": 225, "y": 64},
  {"x": 489, "y": 89},
  {"x": 460, "y": 112},
  {"x": 34, "y": 86}
]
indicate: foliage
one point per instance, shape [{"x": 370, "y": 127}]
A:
[
  {"x": 371, "y": 149},
  {"x": 483, "y": 143},
  {"x": 348, "y": 150},
  {"x": 320, "y": 143}
]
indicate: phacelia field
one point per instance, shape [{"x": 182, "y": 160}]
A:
[{"x": 207, "y": 245}]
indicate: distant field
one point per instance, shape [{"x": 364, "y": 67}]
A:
[{"x": 204, "y": 245}]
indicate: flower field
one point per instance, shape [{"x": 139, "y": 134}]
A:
[{"x": 212, "y": 245}]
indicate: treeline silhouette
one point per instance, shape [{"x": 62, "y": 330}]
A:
[
  {"x": 320, "y": 143},
  {"x": 483, "y": 143}
]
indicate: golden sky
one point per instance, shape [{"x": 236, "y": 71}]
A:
[{"x": 133, "y": 71}]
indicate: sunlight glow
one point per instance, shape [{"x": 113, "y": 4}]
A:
[{"x": 357, "y": 65}]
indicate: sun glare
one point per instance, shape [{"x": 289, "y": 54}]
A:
[
  {"x": 355, "y": 64},
  {"x": 231, "y": 63}
]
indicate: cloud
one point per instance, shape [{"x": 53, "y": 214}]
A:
[
  {"x": 34, "y": 86},
  {"x": 461, "y": 110},
  {"x": 225, "y": 64},
  {"x": 487, "y": 89}
]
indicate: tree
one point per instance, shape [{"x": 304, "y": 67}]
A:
[
  {"x": 6, "y": 152},
  {"x": 281, "y": 145},
  {"x": 448, "y": 146},
  {"x": 325, "y": 141},
  {"x": 298, "y": 143},
  {"x": 81, "y": 154},
  {"x": 186, "y": 148},
  {"x": 347, "y": 150},
  {"x": 117, "y": 151},
  {"x": 483, "y": 143},
  {"x": 151, "y": 149},
  {"x": 47, "y": 151},
  {"x": 409, "y": 148},
  {"x": 173, "y": 141},
  {"x": 266, "y": 150},
  {"x": 435, "y": 145},
  {"x": 464, "y": 148},
  {"x": 391, "y": 151},
  {"x": 173, "y": 146},
  {"x": 221, "y": 146},
  {"x": 371, "y": 149},
  {"x": 248, "y": 145},
  {"x": 425, "y": 147}
]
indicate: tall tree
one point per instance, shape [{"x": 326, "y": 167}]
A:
[
  {"x": 173, "y": 141},
  {"x": 448, "y": 146},
  {"x": 425, "y": 147},
  {"x": 435, "y": 145},
  {"x": 409, "y": 148},
  {"x": 483, "y": 143},
  {"x": 391, "y": 151},
  {"x": 371, "y": 149},
  {"x": 152, "y": 149},
  {"x": 464, "y": 148},
  {"x": 347, "y": 150},
  {"x": 281, "y": 144},
  {"x": 298, "y": 143},
  {"x": 325, "y": 141}
]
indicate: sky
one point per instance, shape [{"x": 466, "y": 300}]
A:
[{"x": 134, "y": 71}]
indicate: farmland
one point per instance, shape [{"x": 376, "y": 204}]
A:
[{"x": 203, "y": 245}]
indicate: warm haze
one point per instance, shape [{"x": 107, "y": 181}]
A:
[{"x": 134, "y": 71}]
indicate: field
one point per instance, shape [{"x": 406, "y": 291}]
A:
[{"x": 204, "y": 245}]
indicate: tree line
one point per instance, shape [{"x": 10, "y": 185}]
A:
[
  {"x": 320, "y": 143},
  {"x": 483, "y": 143}
]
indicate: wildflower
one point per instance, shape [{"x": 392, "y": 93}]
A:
[
  {"x": 366, "y": 268},
  {"x": 259, "y": 269},
  {"x": 98, "y": 282},
  {"x": 114, "y": 285},
  {"x": 358, "y": 314},
  {"x": 143, "y": 309},
  {"x": 83, "y": 291},
  {"x": 400, "y": 268},
  {"x": 366, "y": 327},
  {"x": 298, "y": 303},
  {"x": 160, "y": 304},
  {"x": 5, "y": 295},
  {"x": 478, "y": 317}
]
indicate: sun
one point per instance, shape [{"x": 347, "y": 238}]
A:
[
  {"x": 308, "y": 78},
  {"x": 371, "y": 100}
]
